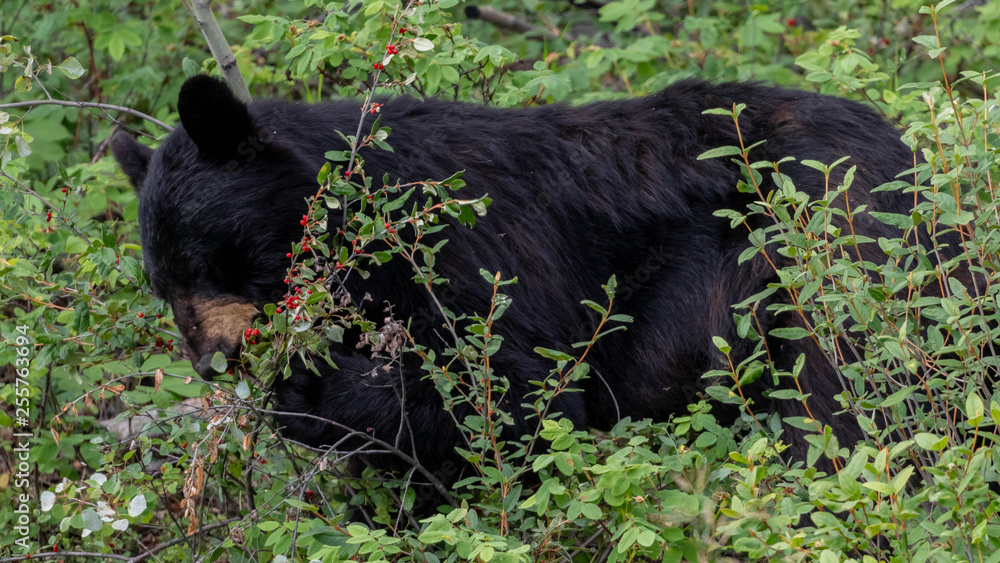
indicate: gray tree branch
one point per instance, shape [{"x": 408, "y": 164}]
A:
[
  {"x": 106, "y": 107},
  {"x": 201, "y": 11}
]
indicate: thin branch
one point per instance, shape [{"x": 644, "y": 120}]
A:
[
  {"x": 107, "y": 107},
  {"x": 201, "y": 11},
  {"x": 352, "y": 433},
  {"x": 48, "y": 204},
  {"x": 507, "y": 21},
  {"x": 175, "y": 541}
]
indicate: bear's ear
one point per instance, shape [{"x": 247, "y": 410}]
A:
[
  {"x": 212, "y": 116},
  {"x": 132, "y": 156}
]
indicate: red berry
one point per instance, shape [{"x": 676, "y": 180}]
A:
[
  {"x": 278, "y": 310},
  {"x": 392, "y": 49},
  {"x": 64, "y": 190},
  {"x": 378, "y": 66},
  {"x": 289, "y": 255},
  {"x": 790, "y": 22},
  {"x": 885, "y": 41},
  {"x": 139, "y": 315},
  {"x": 55, "y": 548}
]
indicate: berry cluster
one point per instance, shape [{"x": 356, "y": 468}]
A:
[{"x": 250, "y": 335}]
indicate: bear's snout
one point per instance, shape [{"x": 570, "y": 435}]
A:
[
  {"x": 213, "y": 325},
  {"x": 204, "y": 366}
]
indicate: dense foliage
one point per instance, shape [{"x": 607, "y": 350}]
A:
[{"x": 131, "y": 456}]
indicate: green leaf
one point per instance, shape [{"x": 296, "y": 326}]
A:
[
  {"x": 116, "y": 46},
  {"x": 879, "y": 487},
  {"x": 898, "y": 396},
  {"x": 192, "y": 68},
  {"x": 422, "y": 44},
  {"x": 928, "y": 41},
  {"x": 71, "y": 68},
  {"x": 219, "y": 362},
  {"x": 932, "y": 442},
  {"x": 91, "y": 521},
  {"x": 553, "y": 354},
  {"x": 974, "y": 406},
  {"x": 137, "y": 506},
  {"x": 592, "y": 511},
  {"x": 720, "y": 151},
  {"x": 791, "y": 333}
]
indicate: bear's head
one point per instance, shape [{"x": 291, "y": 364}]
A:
[{"x": 219, "y": 206}]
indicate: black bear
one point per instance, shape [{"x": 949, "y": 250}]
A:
[{"x": 579, "y": 194}]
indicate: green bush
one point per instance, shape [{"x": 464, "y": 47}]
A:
[{"x": 131, "y": 455}]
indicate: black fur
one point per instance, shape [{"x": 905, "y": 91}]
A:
[
  {"x": 580, "y": 193},
  {"x": 132, "y": 156}
]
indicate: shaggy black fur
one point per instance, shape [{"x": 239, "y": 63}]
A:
[{"x": 580, "y": 193}]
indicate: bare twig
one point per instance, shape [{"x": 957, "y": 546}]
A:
[
  {"x": 201, "y": 11},
  {"x": 352, "y": 433},
  {"x": 507, "y": 21},
  {"x": 175, "y": 541},
  {"x": 106, "y": 107},
  {"x": 47, "y": 203}
]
